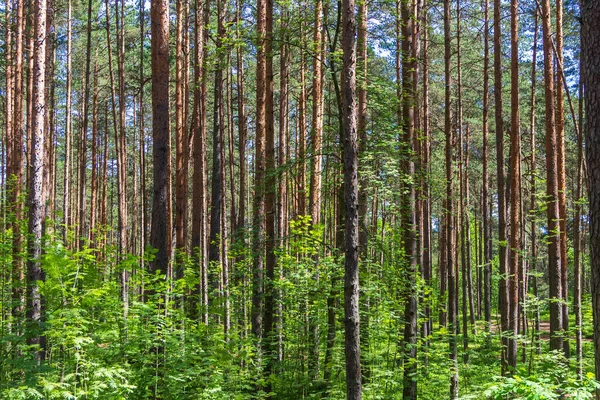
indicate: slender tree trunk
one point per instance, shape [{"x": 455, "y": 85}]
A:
[
  {"x": 363, "y": 197},
  {"x": 230, "y": 151},
  {"x": 503, "y": 300},
  {"x": 18, "y": 266},
  {"x": 467, "y": 226},
  {"x": 314, "y": 204},
  {"x": 425, "y": 170},
  {"x": 259, "y": 175},
  {"x": 577, "y": 265},
  {"x": 117, "y": 122},
  {"x": 94, "y": 177},
  {"x": 532, "y": 167},
  {"x": 199, "y": 223},
  {"x": 82, "y": 229},
  {"x": 68, "y": 130},
  {"x": 121, "y": 146},
  {"x": 462, "y": 172},
  {"x": 515, "y": 190},
  {"x": 160, "y": 133},
  {"x": 242, "y": 130},
  {"x": 562, "y": 174},
  {"x": 282, "y": 186},
  {"x": 35, "y": 273},
  {"x": 409, "y": 222},
  {"x": 217, "y": 196},
  {"x": 553, "y": 213},
  {"x": 449, "y": 210},
  {"x": 301, "y": 190},
  {"x": 317, "y": 115},
  {"x": 142, "y": 144},
  {"x": 270, "y": 184},
  {"x": 351, "y": 284},
  {"x": 8, "y": 107},
  {"x": 181, "y": 186}
]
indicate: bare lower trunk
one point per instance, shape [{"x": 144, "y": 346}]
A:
[
  {"x": 351, "y": 283},
  {"x": 35, "y": 274},
  {"x": 160, "y": 133},
  {"x": 590, "y": 33},
  {"x": 553, "y": 212}
]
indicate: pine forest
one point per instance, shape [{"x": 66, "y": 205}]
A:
[{"x": 310, "y": 199}]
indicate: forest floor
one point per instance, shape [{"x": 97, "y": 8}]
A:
[{"x": 544, "y": 330}]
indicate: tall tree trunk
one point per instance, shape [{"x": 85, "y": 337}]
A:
[
  {"x": 94, "y": 177},
  {"x": 18, "y": 267},
  {"x": 181, "y": 179},
  {"x": 449, "y": 210},
  {"x": 317, "y": 115},
  {"x": 270, "y": 184},
  {"x": 590, "y": 50},
  {"x": 425, "y": 171},
  {"x": 242, "y": 130},
  {"x": 562, "y": 174},
  {"x": 532, "y": 167},
  {"x": 121, "y": 146},
  {"x": 9, "y": 151},
  {"x": 462, "y": 172},
  {"x": 199, "y": 223},
  {"x": 515, "y": 190},
  {"x": 362, "y": 118},
  {"x": 409, "y": 223},
  {"x": 124, "y": 278},
  {"x": 314, "y": 204},
  {"x": 67, "y": 171},
  {"x": 259, "y": 175},
  {"x": 217, "y": 195},
  {"x": 282, "y": 186},
  {"x": 301, "y": 153},
  {"x": 363, "y": 197},
  {"x": 351, "y": 282},
  {"x": 82, "y": 229},
  {"x": 35, "y": 273},
  {"x": 503, "y": 300},
  {"x": 8, "y": 107},
  {"x": 577, "y": 264},
  {"x": 553, "y": 213},
  {"x": 142, "y": 144},
  {"x": 160, "y": 132}
]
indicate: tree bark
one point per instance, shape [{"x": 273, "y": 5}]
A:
[
  {"x": 160, "y": 133},
  {"x": 590, "y": 50},
  {"x": 562, "y": 174},
  {"x": 18, "y": 267},
  {"x": 409, "y": 222},
  {"x": 450, "y": 248},
  {"x": 317, "y": 116},
  {"x": 270, "y": 185},
  {"x": 532, "y": 167},
  {"x": 181, "y": 142},
  {"x": 351, "y": 281},
  {"x": 217, "y": 182},
  {"x": 503, "y": 300},
  {"x": 35, "y": 273},
  {"x": 515, "y": 190},
  {"x": 553, "y": 212},
  {"x": 259, "y": 175},
  {"x": 94, "y": 176},
  {"x": 67, "y": 171},
  {"x": 199, "y": 224},
  {"x": 82, "y": 228}
]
